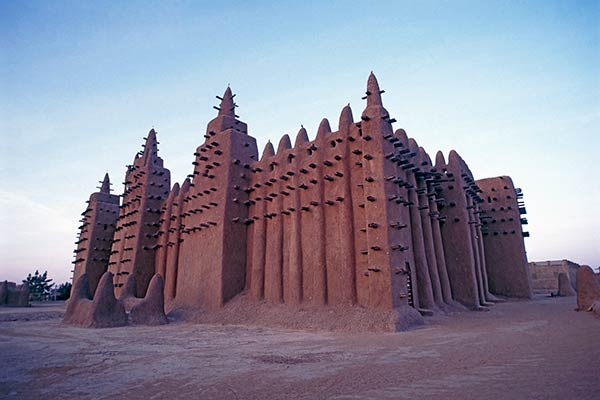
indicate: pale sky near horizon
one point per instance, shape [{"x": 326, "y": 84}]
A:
[{"x": 513, "y": 86}]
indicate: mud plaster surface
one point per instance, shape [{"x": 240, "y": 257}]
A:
[{"x": 540, "y": 349}]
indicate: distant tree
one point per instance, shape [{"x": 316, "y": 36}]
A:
[
  {"x": 63, "y": 292},
  {"x": 39, "y": 285}
]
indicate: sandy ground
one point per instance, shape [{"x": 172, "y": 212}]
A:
[{"x": 538, "y": 349}]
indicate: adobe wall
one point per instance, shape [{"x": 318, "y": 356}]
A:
[
  {"x": 462, "y": 261},
  {"x": 95, "y": 236},
  {"x": 506, "y": 259},
  {"x": 423, "y": 279},
  {"x": 434, "y": 180},
  {"x": 421, "y": 183},
  {"x": 326, "y": 228},
  {"x": 174, "y": 239},
  {"x": 166, "y": 233}
]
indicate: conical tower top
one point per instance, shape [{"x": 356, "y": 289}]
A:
[
  {"x": 284, "y": 144},
  {"x": 151, "y": 146},
  {"x": 227, "y": 106},
  {"x": 373, "y": 92},
  {"x": 346, "y": 118},
  {"x": 374, "y": 110},
  {"x": 301, "y": 137},
  {"x": 402, "y": 136},
  {"x": 175, "y": 189},
  {"x": 324, "y": 129},
  {"x": 105, "y": 188},
  {"x": 185, "y": 187},
  {"x": 424, "y": 156},
  {"x": 453, "y": 158},
  {"x": 268, "y": 152},
  {"x": 440, "y": 162},
  {"x": 226, "y": 118},
  {"x": 413, "y": 145}
]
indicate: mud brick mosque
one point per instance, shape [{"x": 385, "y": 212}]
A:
[{"x": 360, "y": 217}]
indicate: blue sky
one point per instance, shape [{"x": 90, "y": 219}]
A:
[{"x": 514, "y": 87}]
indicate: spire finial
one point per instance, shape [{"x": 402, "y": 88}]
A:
[
  {"x": 301, "y": 137},
  {"x": 324, "y": 128},
  {"x": 440, "y": 162},
  {"x": 105, "y": 188},
  {"x": 284, "y": 144},
  {"x": 373, "y": 92},
  {"x": 269, "y": 151},
  {"x": 227, "y": 106},
  {"x": 346, "y": 118},
  {"x": 151, "y": 146},
  {"x": 453, "y": 158}
]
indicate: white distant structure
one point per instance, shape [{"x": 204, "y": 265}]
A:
[{"x": 544, "y": 274}]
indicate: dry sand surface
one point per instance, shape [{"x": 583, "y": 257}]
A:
[{"x": 539, "y": 349}]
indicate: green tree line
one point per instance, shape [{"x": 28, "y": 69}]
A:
[{"x": 41, "y": 287}]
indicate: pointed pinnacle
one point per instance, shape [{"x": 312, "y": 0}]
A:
[
  {"x": 105, "y": 188},
  {"x": 269, "y": 151},
  {"x": 150, "y": 148},
  {"x": 402, "y": 136},
  {"x": 346, "y": 118},
  {"x": 413, "y": 145},
  {"x": 324, "y": 128},
  {"x": 423, "y": 156},
  {"x": 373, "y": 91},
  {"x": 284, "y": 144},
  {"x": 453, "y": 158},
  {"x": 227, "y": 106},
  {"x": 151, "y": 139},
  {"x": 301, "y": 137},
  {"x": 185, "y": 187},
  {"x": 440, "y": 163}
]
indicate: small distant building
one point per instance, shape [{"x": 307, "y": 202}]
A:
[
  {"x": 544, "y": 274},
  {"x": 14, "y": 295}
]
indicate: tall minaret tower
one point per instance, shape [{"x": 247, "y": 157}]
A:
[
  {"x": 212, "y": 253},
  {"x": 383, "y": 262},
  {"x": 96, "y": 233},
  {"x": 147, "y": 185}
]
